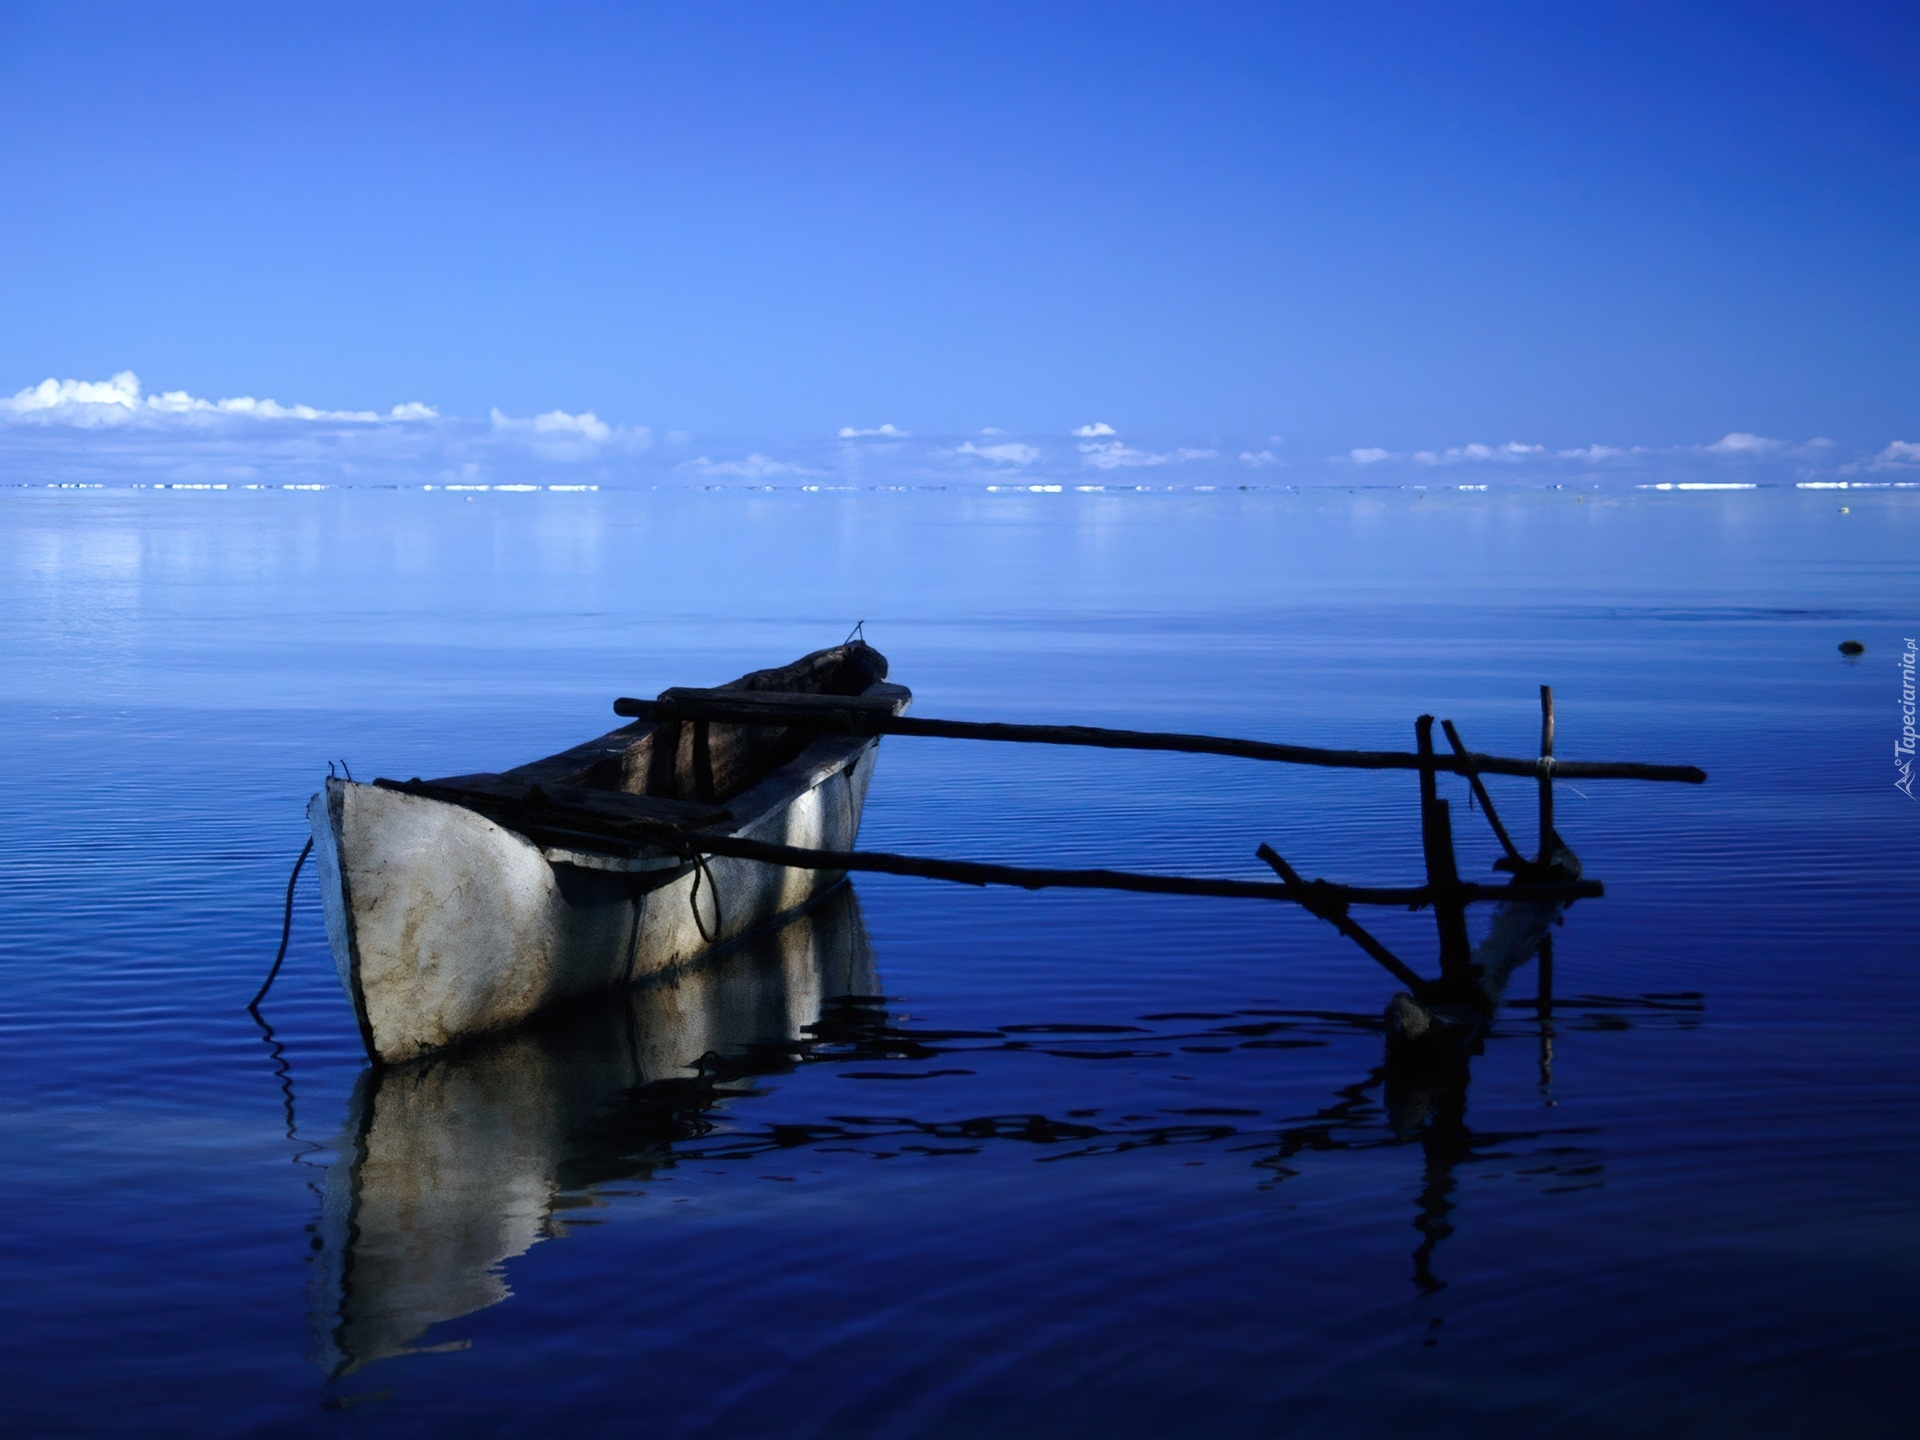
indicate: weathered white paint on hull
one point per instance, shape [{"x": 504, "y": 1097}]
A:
[
  {"x": 453, "y": 1164},
  {"x": 445, "y": 925}
]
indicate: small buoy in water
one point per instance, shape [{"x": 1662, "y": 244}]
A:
[
  {"x": 1845, "y": 511},
  {"x": 1852, "y": 647}
]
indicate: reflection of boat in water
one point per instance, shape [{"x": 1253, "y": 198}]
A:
[{"x": 449, "y": 1167}]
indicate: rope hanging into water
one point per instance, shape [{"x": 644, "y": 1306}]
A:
[{"x": 286, "y": 932}]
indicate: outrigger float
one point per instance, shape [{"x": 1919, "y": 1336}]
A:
[{"x": 463, "y": 906}]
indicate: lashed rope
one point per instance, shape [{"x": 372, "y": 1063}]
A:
[{"x": 693, "y": 898}]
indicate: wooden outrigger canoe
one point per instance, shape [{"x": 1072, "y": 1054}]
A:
[
  {"x": 462, "y": 906},
  {"x": 465, "y": 905}
]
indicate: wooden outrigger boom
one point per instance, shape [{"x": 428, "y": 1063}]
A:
[
  {"x": 861, "y": 717},
  {"x": 554, "y": 815},
  {"x": 1455, "y": 1007}
]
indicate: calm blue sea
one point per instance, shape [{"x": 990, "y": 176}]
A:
[{"x": 1086, "y": 1164}]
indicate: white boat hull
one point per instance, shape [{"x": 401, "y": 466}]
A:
[{"x": 445, "y": 925}]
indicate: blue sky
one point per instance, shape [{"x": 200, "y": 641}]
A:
[{"x": 1296, "y": 231}]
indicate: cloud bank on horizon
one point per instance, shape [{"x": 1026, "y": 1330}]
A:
[
  {"x": 112, "y": 430},
  {"x": 120, "y": 401}
]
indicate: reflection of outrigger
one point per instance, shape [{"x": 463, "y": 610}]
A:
[
  {"x": 1423, "y": 1101},
  {"x": 469, "y": 904}
]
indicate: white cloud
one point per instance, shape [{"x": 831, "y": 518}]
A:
[
  {"x": 1098, "y": 428},
  {"x": 1740, "y": 443},
  {"x": 992, "y": 430},
  {"x": 1736, "y": 446},
  {"x": 847, "y": 432},
  {"x": 122, "y": 390},
  {"x": 1512, "y": 450},
  {"x": 120, "y": 401},
  {"x": 1113, "y": 454},
  {"x": 558, "y": 424},
  {"x": 558, "y": 435},
  {"x": 180, "y": 403},
  {"x": 1261, "y": 459},
  {"x": 1899, "y": 453},
  {"x": 755, "y": 467},
  {"x": 1012, "y": 453}
]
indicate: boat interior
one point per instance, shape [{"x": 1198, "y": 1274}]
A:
[{"x": 689, "y": 768}]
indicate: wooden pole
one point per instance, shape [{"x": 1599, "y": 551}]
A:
[
  {"x": 855, "y": 715},
  {"x": 560, "y": 824},
  {"x": 1449, "y": 906},
  {"x": 664, "y": 758},
  {"x": 1486, "y": 800},
  {"x": 1443, "y": 872},
  {"x": 1336, "y": 915},
  {"x": 969, "y": 872},
  {"x": 1545, "y": 771},
  {"x": 702, "y": 766}
]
